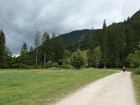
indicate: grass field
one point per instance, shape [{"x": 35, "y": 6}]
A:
[
  {"x": 136, "y": 82},
  {"x": 36, "y": 87}
]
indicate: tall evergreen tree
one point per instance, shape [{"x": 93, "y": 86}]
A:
[
  {"x": 31, "y": 56},
  {"x": 132, "y": 39},
  {"x": 104, "y": 45},
  {"x": 8, "y": 59},
  {"x": 57, "y": 49},
  {"x": 116, "y": 45},
  {"x": 2, "y": 48},
  {"x": 45, "y": 45},
  {"x": 92, "y": 44},
  {"x": 37, "y": 43},
  {"x": 23, "y": 54},
  {"x": 97, "y": 56}
]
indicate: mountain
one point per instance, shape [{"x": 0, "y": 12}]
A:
[
  {"x": 130, "y": 28},
  {"x": 73, "y": 38},
  {"x": 76, "y": 39}
]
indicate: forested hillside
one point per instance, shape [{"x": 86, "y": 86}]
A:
[
  {"x": 117, "y": 41},
  {"x": 111, "y": 46},
  {"x": 130, "y": 28}
]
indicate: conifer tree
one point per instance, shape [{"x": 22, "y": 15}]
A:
[
  {"x": 92, "y": 44},
  {"x": 37, "y": 43},
  {"x": 97, "y": 56},
  {"x": 57, "y": 49},
  {"x": 23, "y": 54},
  {"x": 104, "y": 45},
  {"x": 116, "y": 45},
  {"x": 45, "y": 45},
  {"x": 2, "y": 48}
]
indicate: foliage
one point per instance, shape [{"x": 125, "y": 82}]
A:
[
  {"x": 97, "y": 56},
  {"x": 134, "y": 58},
  {"x": 57, "y": 50},
  {"x": 94, "y": 57},
  {"x": 118, "y": 45},
  {"x": 23, "y": 54},
  {"x": 37, "y": 43},
  {"x": 45, "y": 47},
  {"x": 104, "y": 45},
  {"x": 72, "y": 39},
  {"x": 77, "y": 60},
  {"x": 116, "y": 41},
  {"x": 137, "y": 71},
  {"x": 85, "y": 56},
  {"x": 66, "y": 59},
  {"x": 92, "y": 44}
]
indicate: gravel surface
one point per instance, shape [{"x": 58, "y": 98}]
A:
[{"x": 115, "y": 89}]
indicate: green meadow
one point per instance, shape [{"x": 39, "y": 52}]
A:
[{"x": 38, "y": 87}]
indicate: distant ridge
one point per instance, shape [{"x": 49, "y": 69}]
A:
[{"x": 76, "y": 37}]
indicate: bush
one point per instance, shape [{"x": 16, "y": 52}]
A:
[
  {"x": 67, "y": 66},
  {"x": 20, "y": 65},
  {"x": 137, "y": 71},
  {"x": 77, "y": 60},
  {"x": 51, "y": 64}
]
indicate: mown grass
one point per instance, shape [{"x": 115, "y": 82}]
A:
[
  {"x": 38, "y": 87},
  {"x": 136, "y": 82}
]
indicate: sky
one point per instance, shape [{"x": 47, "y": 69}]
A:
[{"x": 20, "y": 19}]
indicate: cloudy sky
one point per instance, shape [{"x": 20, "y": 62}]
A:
[{"x": 20, "y": 19}]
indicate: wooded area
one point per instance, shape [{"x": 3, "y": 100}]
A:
[{"x": 112, "y": 46}]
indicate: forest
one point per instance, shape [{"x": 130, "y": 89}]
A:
[{"x": 110, "y": 47}]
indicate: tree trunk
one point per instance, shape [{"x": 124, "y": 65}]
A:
[
  {"x": 36, "y": 56},
  {"x": 44, "y": 59},
  {"x": 104, "y": 67}
]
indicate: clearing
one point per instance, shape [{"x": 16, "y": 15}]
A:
[{"x": 38, "y": 87}]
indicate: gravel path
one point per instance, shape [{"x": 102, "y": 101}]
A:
[{"x": 115, "y": 89}]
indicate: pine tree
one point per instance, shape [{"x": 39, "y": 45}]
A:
[
  {"x": 97, "y": 56},
  {"x": 2, "y": 48},
  {"x": 92, "y": 44},
  {"x": 116, "y": 45},
  {"x": 45, "y": 45},
  {"x": 57, "y": 49},
  {"x": 8, "y": 59},
  {"x": 37, "y": 43},
  {"x": 104, "y": 45},
  {"x": 23, "y": 54}
]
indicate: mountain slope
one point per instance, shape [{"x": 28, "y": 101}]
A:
[
  {"x": 73, "y": 38},
  {"x": 130, "y": 27}
]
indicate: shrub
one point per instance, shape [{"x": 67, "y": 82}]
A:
[
  {"x": 67, "y": 66},
  {"x": 137, "y": 71},
  {"x": 77, "y": 60},
  {"x": 51, "y": 64}
]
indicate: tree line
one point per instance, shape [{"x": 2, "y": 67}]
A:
[{"x": 111, "y": 46}]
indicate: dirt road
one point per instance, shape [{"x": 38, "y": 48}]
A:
[{"x": 115, "y": 89}]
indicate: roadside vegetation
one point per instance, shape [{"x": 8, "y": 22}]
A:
[
  {"x": 136, "y": 82},
  {"x": 36, "y": 87},
  {"x": 134, "y": 61}
]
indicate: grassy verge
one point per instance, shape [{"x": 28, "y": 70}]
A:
[
  {"x": 36, "y": 87},
  {"x": 136, "y": 82}
]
